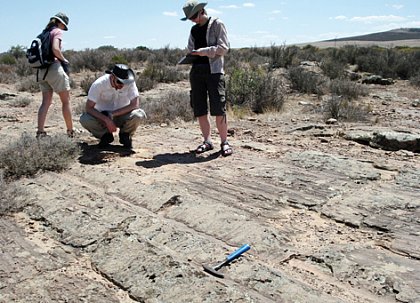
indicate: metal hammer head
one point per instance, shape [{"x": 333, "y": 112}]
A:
[{"x": 213, "y": 271}]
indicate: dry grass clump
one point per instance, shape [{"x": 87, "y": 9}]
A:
[
  {"x": 340, "y": 108},
  {"x": 13, "y": 198},
  {"x": 28, "y": 84},
  {"x": 28, "y": 155},
  {"x": 21, "y": 102},
  {"x": 172, "y": 106},
  {"x": 87, "y": 81},
  {"x": 347, "y": 89},
  {"x": 415, "y": 81}
]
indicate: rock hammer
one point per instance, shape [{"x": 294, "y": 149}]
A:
[{"x": 214, "y": 269}]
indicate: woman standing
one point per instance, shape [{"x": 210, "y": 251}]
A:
[
  {"x": 208, "y": 41},
  {"x": 55, "y": 78}
]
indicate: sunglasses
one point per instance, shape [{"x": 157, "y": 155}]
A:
[{"x": 193, "y": 17}]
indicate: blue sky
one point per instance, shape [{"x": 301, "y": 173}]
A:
[{"x": 156, "y": 24}]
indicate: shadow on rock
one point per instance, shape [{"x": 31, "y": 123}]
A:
[
  {"x": 180, "y": 158},
  {"x": 94, "y": 154}
]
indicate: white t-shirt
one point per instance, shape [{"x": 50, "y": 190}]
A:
[{"x": 108, "y": 98}]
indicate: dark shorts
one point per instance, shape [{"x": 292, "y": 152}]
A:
[{"x": 203, "y": 85}]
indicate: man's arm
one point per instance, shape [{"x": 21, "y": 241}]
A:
[
  {"x": 134, "y": 104},
  {"x": 106, "y": 120}
]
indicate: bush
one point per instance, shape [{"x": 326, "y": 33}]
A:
[
  {"x": 21, "y": 102},
  {"x": 307, "y": 82},
  {"x": 28, "y": 155},
  {"x": 332, "y": 68},
  {"x": 28, "y": 84},
  {"x": 145, "y": 83},
  {"x": 7, "y": 59},
  {"x": 347, "y": 89},
  {"x": 13, "y": 198},
  {"x": 255, "y": 88},
  {"x": 160, "y": 72},
  {"x": 86, "y": 82},
  {"x": 172, "y": 106},
  {"x": 341, "y": 109},
  {"x": 415, "y": 81}
]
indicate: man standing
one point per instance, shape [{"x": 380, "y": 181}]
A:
[
  {"x": 113, "y": 102},
  {"x": 208, "y": 41}
]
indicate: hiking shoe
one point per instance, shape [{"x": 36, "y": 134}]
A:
[
  {"x": 125, "y": 140},
  {"x": 71, "y": 133},
  {"x": 106, "y": 139},
  {"x": 41, "y": 134}
]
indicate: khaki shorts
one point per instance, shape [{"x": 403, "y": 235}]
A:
[{"x": 56, "y": 80}]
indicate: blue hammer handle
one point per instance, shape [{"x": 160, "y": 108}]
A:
[{"x": 238, "y": 252}]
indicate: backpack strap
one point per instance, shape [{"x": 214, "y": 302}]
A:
[
  {"x": 45, "y": 75},
  {"x": 46, "y": 72}
]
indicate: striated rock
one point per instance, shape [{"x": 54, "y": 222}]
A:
[{"x": 387, "y": 140}]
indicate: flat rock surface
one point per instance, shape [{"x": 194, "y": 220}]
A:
[{"x": 328, "y": 219}]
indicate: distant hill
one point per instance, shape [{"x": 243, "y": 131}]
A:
[
  {"x": 397, "y": 37},
  {"x": 392, "y": 35}
]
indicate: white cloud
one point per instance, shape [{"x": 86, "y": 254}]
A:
[
  {"x": 397, "y": 6},
  {"x": 249, "y": 4},
  {"x": 213, "y": 11},
  {"x": 170, "y": 14},
  {"x": 275, "y": 12},
  {"x": 229, "y": 6},
  {"x": 376, "y": 19},
  {"x": 110, "y": 37},
  {"x": 339, "y": 18}
]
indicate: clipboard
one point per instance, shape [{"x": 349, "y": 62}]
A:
[{"x": 188, "y": 59}]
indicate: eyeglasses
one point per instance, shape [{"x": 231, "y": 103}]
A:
[
  {"x": 193, "y": 17},
  {"x": 118, "y": 82}
]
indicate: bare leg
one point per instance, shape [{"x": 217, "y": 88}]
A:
[
  {"x": 205, "y": 127},
  {"x": 221, "y": 123},
  {"x": 66, "y": 109},
  {"x": 43, "y": 109}
]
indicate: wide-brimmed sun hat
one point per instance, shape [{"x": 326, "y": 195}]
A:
[
  {"x": 62, "y": 17},
  {"x": 191, "y": 7},
  {"x": 123, "y": 73}
]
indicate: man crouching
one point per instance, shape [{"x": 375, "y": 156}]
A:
[{"x": 113, "y": 102}]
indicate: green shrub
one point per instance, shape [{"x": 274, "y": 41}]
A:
[
  {"x": 28, "y": 155},
  {"x": 7, "y": 59},
  {"x": 119, "y": 59},
  {"x": 307, "y": 82},
  {"x": 255, "y": 88},
  {"x": 332, "y": 68}
]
